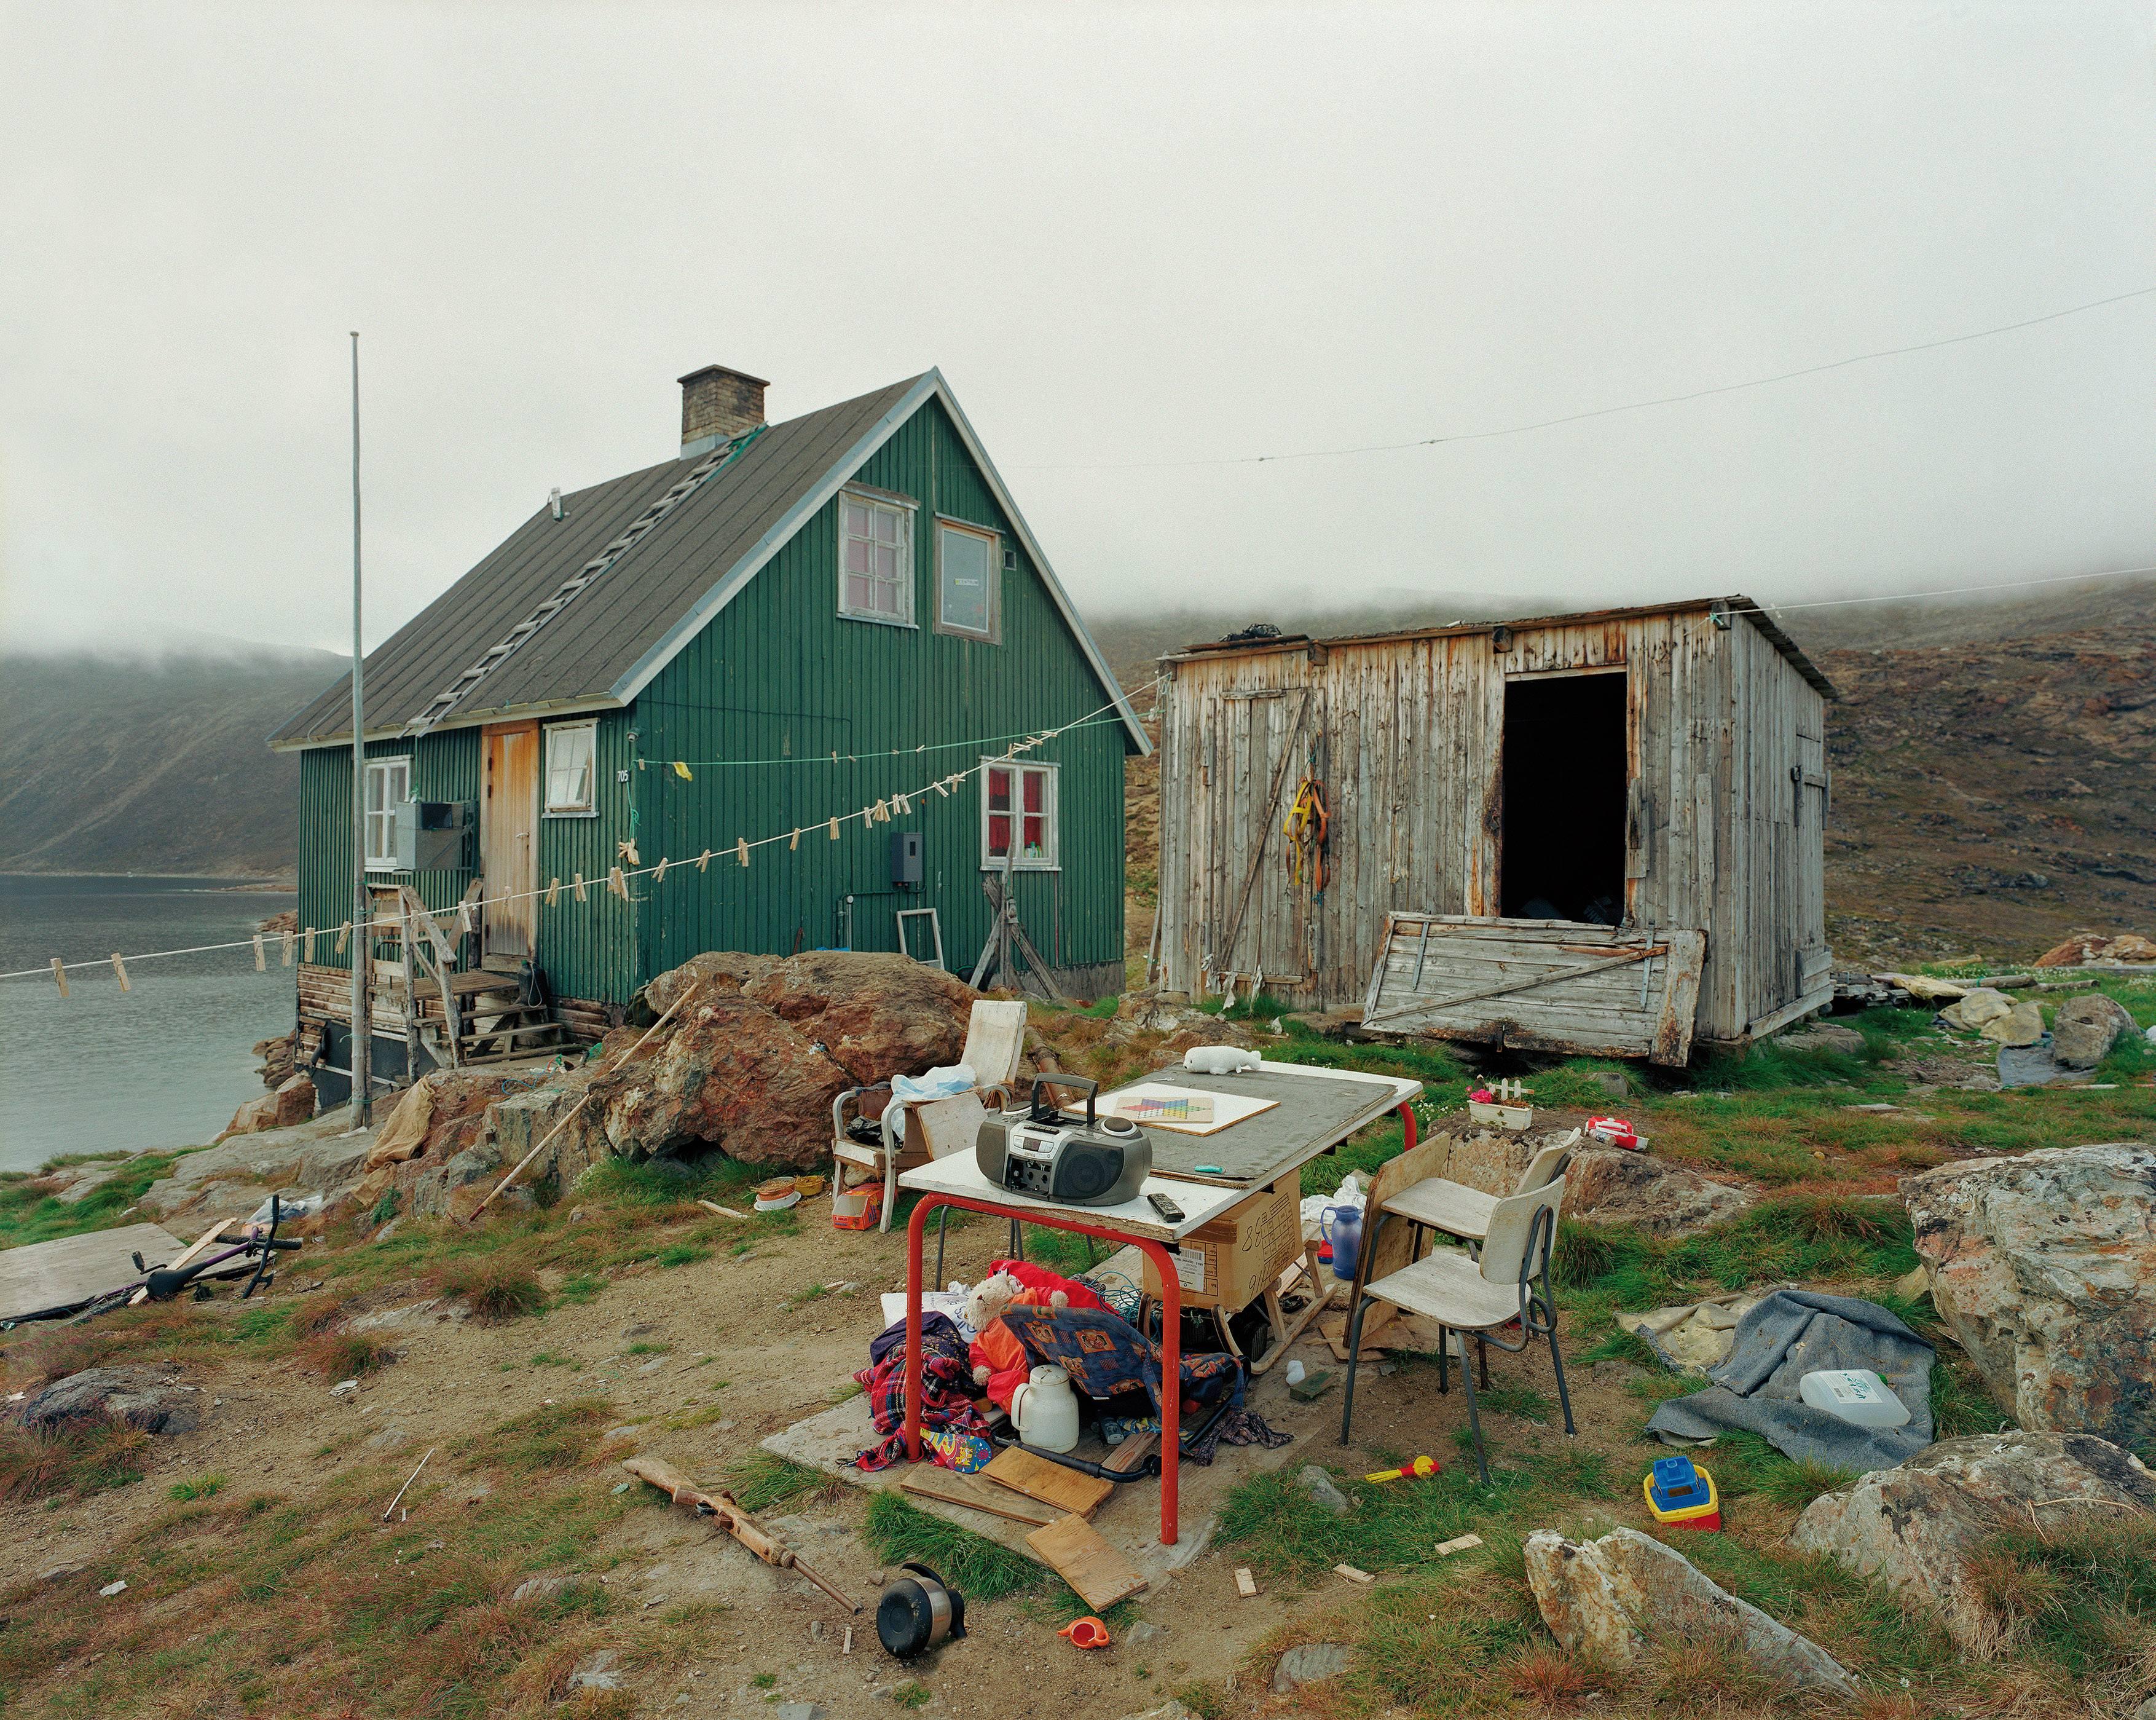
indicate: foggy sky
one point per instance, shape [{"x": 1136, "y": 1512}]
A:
[{"x": 1127, "y": 234}]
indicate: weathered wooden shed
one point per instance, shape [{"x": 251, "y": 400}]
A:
[{"x": 1599, "y": 833}]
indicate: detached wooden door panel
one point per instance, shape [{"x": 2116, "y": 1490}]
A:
[{"x": 509, "y": 843}]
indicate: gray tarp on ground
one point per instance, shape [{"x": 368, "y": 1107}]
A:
[{"x": 1789, "y": 1334}]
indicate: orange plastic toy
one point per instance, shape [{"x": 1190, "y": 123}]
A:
[
  {"x": 1088, "y": 1632},
  {"x": 1422, "y": 1469}
]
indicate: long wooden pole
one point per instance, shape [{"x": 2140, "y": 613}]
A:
[
  {"x": 362, "y": 913},
  {"x": 570, "y": 1115},
  {"x": 730, "y": 1518}
]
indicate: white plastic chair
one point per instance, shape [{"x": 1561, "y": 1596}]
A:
[
  {"x": 1511, "y": 1282},
  {"x": 936, "y": 1129}
]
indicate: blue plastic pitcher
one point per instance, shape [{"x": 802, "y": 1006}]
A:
[{"x": 1342, "y": 1227}]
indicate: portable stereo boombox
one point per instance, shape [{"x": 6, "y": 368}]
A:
[{"x": 1044, "y": 1152}]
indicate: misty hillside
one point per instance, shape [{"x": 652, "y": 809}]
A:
[
  {"x": 1994, "y": 761},
  {"x": 138, "y": 764}
]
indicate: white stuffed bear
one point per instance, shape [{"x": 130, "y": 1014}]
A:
[
  {"x": 1219, "y": 1059},
  {"x": 991, "y": 1298}
]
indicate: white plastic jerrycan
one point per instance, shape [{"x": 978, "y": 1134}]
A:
[{"x": 1046, "y": 1410}]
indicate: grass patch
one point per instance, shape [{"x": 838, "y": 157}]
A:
[
  {"x": 345, "y": 1355},
  {"x": 31, "y": 1209},
  {"x": 682, "y": 1253},
  {"x": 81, "y": 1460},
  {"x": 207, "y": 1486},
  {"x": 578, "y": 1289},
  {"x": 497, "y": 1290},
  {"x": 2079, "y": 1597},
  {"x": 972, "y": 1564},
  {"x": 552, "y": 1359},
  {"x": 762, "y": 1481},
  {"x": 552, "y": 1436},
  {"x": 643, "y": 1348}
]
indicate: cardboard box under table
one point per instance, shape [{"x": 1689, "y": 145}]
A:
[{"x": 1230, "y": 1262}]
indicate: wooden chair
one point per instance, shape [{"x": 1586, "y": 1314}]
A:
[
  {"x": 1510, "y": 1283},
  {"x": 935, "y": 1128}
]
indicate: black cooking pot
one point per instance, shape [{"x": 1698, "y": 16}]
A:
[{"x": 917, "y": 1612}]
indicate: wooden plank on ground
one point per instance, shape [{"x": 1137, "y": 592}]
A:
[
  {"x": 1133, "y": 1451},
  {"x": 1050, "y": 1483},
  {"x": 42, "y": 1276},
  {"x": 193, "y": 1251},
  {"x": 1679, "y": 999},
  {"x": 1073, "y": 1549},
  {"x": 996, "y": 1501}
]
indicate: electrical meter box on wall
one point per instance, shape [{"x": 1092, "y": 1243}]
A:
[
  {"x": 906, "y": 859},
  {"x": 435, "y": 835}
]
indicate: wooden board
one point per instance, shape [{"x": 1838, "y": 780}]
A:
[
  {"x": 1133, "y": 1451},
  {"x": 1050, "y": 1483},
  {"x": 1309, "y": 1112},
  {"x": 72, "y": 1268},
  {"x": 1541, "y": 985},
  {"x": 997, "y": 1502},
  {"x": 1074, "y": 1550},
  {"x": 1228, "y": 1109}
]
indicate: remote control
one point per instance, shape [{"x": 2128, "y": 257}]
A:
[{"x": 1165, "y": 1207}]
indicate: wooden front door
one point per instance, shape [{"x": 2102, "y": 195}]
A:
[{"x": 509, "y": 843}]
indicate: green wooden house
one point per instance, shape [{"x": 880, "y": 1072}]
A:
[{"x": 787, "y": 624}]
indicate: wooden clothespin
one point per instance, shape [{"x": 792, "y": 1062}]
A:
[
  {"x": 120, "y": 968},
  {"x": 464, "y": 916},
  {"x": 794, "y": 841},
  {"x": 741, "y": 850},
  {"x": 901, "y": 805},
  {"x": 59, "y": 975},
  {"x": 627, "y": 850},
  {"x": 616, "y": 883},
  {"x": 554, "y": 891},
  {"x": 307, "y": 950},
  {"x": 704, "y": 860},
  {"x": 578, "y": 885},
  {"x": 834, "y": 829},
  {"x": 260, "y": 965},
  {"x": 344, "y": 936},
  {"x": 659, "y": 876},
  {"x": 290, "y": 941}
]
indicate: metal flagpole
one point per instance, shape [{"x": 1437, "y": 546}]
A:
[{"x": 362, "y": 1032}]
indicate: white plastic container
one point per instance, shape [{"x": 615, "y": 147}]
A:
[
  {"x": 1045, "y": 1411},
  {"x": 1855, "y": 1395}
]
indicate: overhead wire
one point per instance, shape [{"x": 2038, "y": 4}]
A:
[
  {"x": 868, "y": 814},
  {"x": 1575, "y": 418}
]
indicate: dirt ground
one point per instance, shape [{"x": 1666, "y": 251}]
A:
[{"x": 273, "y": 1426}]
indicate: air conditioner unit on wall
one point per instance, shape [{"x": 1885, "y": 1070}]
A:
[{"x": 435, "y": 835}]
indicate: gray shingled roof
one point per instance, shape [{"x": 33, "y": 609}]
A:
[{"x": 585, "y": 653}]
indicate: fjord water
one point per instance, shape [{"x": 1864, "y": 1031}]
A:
[{"x": 165, "y": 1065}]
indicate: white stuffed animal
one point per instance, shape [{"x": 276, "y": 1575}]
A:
[
  {"x": 1219, "y": 1059},
  {"x": 992, "y": 1297}
]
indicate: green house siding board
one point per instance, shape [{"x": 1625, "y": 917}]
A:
[
  {"x": 779, "y": 674},
  {"x": 587, "y": 948},
  {"x": 444, "y": 767}
]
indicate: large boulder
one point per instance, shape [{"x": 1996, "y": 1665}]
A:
[
  {"x": 1976, "y": 1008},
  {"x": 2044, "y": 1268},
  {"x": 2021, "y": 1026},
  {"x": 1607, "y": 1185},
  {"x": 877, "y": 1015},
  {"x": 153, "y": 1399},
  {"x": 2084, "y": 947},
  {"x": 2085, "y": 1028},
  {"x": 295, "y": 1101},
  {"x": 1917, "y": 1526},
  {"x": 1613, "y": 1597},
  {"x": 252, "y": 1117},
  {"x": 753, "y": 1063}
]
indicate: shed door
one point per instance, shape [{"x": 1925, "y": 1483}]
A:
[
  {"x": 509, "y": 842},
  {"x": 1266, "y": 741}
]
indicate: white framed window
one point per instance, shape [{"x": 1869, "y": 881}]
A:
[
  {"x": 969, "y": 581},
  {"x": 1019, "y": 799},
  {"x": 876, "y": 557},
  {"x": 388, "y": 787},
  {"x": 571, "y": 769}
]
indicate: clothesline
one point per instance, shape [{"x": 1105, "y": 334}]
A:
[
  {"x": 683, "y": 765},
  {"x": 615, "y": 882}
]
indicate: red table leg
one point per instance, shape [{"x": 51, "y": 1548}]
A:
[
  {"x": 1408, "y": 1124},
  {"x": 914, "y": 1228},
  {"x": 1171, "y": 1387}
]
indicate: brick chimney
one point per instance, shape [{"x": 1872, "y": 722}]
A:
[{"x": 718, "y": 404}]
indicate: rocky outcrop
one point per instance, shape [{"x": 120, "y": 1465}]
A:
[
  {"x": 2085, "y": 1028},
  {"x": 1823, "y": 1036},
  {"x": 292, "y": 1103},
  {"x": 877, "y": 1015},
  {"x": 2044, "y": 1268},
  {"x": 233, "y": 1178},
  {"x": 1916, "y": 1526},
  {"x": 1612, "y": 1597},
  {"x": 2092, "y": 947},
  {"x": 153, "y": 1399},
  {"x": 1606, "y": 1185}
]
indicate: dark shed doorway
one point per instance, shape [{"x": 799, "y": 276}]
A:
[{"x": 1563, "y": 846}]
